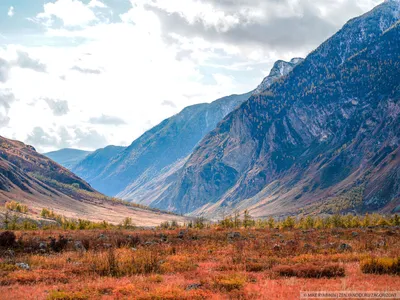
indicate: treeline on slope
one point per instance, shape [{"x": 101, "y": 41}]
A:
[{"x": 291, "y": 222}]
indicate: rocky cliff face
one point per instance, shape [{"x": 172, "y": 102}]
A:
[
  {"x": 148, "y": 186},
  {"x": 325, "y": 137},
  {"x": 280, "y": 69}
]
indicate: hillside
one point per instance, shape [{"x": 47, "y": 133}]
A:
[
  {"x": 323, "y": 139},
  {"x": 67, "y": 157},
  {"x": 35, "y": 180},
  {"x": 112, "y": 170},
  {"x": 149, "y": 185}
]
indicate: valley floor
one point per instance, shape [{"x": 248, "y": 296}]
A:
[{"x": 197, "y": 264}]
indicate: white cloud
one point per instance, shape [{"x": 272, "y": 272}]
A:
[
  {"x": 70, "y": 12},
  {"x": 10, "y": 11},
  {"x": 123, "y": 72},
  {"x": 97, "y": 3}
]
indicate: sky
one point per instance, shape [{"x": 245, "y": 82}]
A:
[{"x": 90, "y": 73}]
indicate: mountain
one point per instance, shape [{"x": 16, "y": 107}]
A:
[
  {"x": 281, "y": 68},
  {"x": 67, "y": 157},
  {"x": 112, "y": 170},
  {"x": 95, "y": 163},
  {"x": 148, "y": 187},
  {"x": 325, "y": 138},
  {"x": 35, "y": 180}
]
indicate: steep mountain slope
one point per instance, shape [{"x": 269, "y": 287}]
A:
[
  {"x": 324, "y": 138},
  {"x": 95, "y": 163},
  {"x": 163, "y": 145},
  {"x": 146, "y": 188},
  {"x": 67, "y": 157},
  {"x": 33, "y": 179},
  {"x": 281, "y": 68}
]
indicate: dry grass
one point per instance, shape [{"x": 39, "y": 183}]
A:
[
  {"x": 381, "y": 266},
  {"x": 198, "y": 264},
  {"x": 311, "y": 271}
]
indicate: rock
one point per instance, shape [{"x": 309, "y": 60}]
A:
[
  {"x": 307, "y": 247},
  {"x": 234, "y": 235},
  {"x": 43, "y": 246},
  {"x": 107, "y": 246},
  {"x": 133, "y": 249},
  {"x": 278, "y": 235},
  {"x": 79, "y": 246},
  {"x": 193, "y": 286},
  {"x": 330, "y": 246},
  {"x": 345, "y": 247},
  {"x": 354, "y": 234},
  {"x": 102, "y": 237},
  {"x": 10, "y": 254},
  {"x": 23, "y": 266},
  {"x": 181, "y": 234},
  {"x": 381, "y": 244},
  {"x": 277, "y": 247},
  {"x": 163, "y": 237},
  {"x": 291, "y": 243}
]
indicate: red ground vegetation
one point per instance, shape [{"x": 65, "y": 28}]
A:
[{"x": 211, "y": 263}]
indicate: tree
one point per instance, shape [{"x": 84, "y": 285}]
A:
[
  {"x": 247, "y": 219},
  {"x": 127, "y": 223},
  {"x": 288, "y": 223},
  {"x": 236, "y": 220}
]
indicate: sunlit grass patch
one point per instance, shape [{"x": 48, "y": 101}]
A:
[
  {"x": 65, "y": 295},
  {"x": 384, "y": 265},
  {"x": 310, "y": 271},
  {"x": 230, "y": 282}
]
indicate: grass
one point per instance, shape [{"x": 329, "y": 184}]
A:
[
  {"x": 198, "y": 263},
  {"x": 384, "y": 265},
  {"x": 311, "y": 271}
]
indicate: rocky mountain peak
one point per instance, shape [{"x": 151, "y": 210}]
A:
[{"x": 280, "y": 68}]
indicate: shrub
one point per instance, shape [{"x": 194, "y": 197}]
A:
[
  {"x": 255, "y": 267},
  {"x": 7, "y": 239},
  {"x": 230, "y": 282},
  {"x": 47, "y": 213},
  {"x": 381, "y": 266},
  {"x": 58, "y": 245},
  {"x": 127, "y": 223},
  {"x": 310, "y": 271},
  {"x": 61, "y": 295},
  {"x": 76, "y": 185},
  {"x": 16, "y": 206}
]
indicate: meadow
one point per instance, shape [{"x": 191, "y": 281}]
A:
[{"x": 200, "y": 261}]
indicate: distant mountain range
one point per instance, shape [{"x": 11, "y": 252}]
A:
[
  {"x": 319, "y": 135},
  {"x": 35, "y": 180},
  {"x": 67, "y": 157},
  {"x": 130, "y": 172}
]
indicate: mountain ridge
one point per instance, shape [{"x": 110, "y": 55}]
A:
[
  {"x": 271, "y": 138},
  {"x": 35, "y": 180}
]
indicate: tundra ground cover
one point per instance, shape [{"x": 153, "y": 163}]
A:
[{"x": 211, "y": 263}]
